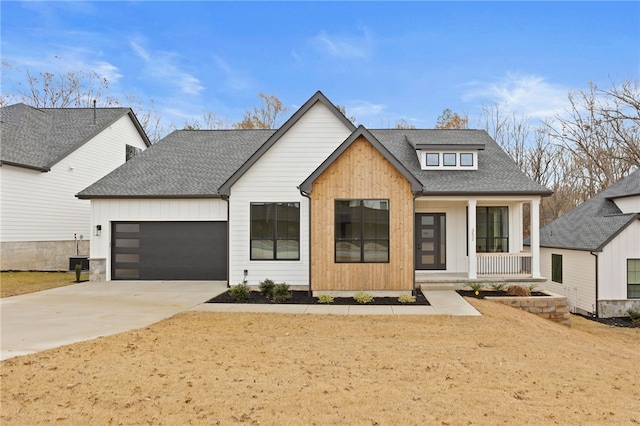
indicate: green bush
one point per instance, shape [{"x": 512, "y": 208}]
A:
[
  {"x": 281, "y": 293},
  {"x": 406, "y": 298},
  {"x": 78, "y": 272},
  {"x": 532, "y": 287},
  {"x": 240, "y": 292},
  {"x": 635, "y": 316},
  {"x": 325, "y": 298},
  {"x": 498, "y": 286},
  {"x": 266, "y": 288},
  {"x": 362, "y": 297},
  {"x": 475, "y": 286}
]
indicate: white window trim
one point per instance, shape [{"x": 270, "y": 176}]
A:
[{"x": 422, "y": 155}]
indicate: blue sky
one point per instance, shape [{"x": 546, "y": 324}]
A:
[{"x": 383, "y": 61}]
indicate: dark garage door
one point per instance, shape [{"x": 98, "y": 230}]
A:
[{"x": 169, "y": 251}]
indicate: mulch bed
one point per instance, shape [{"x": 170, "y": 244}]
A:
[
  {"x": 492, "y": 293},
  {"x": 301, "y": 297},
  {"x": 616, "y": 322}
]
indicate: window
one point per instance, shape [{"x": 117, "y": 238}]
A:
[
  {"x": 633, "y": 278},
  {"x": 449, "y": 159},
  {"x": 466, "y": 160},
  {"x": 275, "y": 231},
  {"x": 362, "y": 231},
  {"x": 131, "y": 151},
  {"x": 492, "y": 229},
  {"x": 433, "y": 159},
  {"x": 556, "y": 268}
]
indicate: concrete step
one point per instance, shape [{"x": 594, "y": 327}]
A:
[{"x": 437, "y": 286}]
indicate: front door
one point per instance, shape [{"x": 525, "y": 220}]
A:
[{"x": 430, "y": 241}]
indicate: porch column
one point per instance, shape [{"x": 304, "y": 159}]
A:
[
  {"x": 535, "y": 238},
  {"x": 471, "y": 238}
]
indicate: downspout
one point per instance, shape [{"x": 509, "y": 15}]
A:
[
  {"x": 414, "y": 292},
  {"x": 226, "y": 198},
  {"x": 306, "y": 195},
  {"x": 596, "y": 304}
]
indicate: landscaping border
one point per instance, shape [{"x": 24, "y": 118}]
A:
[{"x": 553, "y": 307}]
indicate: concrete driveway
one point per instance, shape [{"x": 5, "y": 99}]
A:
[{"x": 52, "y": 318}]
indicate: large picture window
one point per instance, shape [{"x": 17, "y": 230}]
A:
[
  {"x": 362, "y": 231},
  {"x": 492, "y": 229},
  {"x": 275, "y": 231},
  {"x": 633, "y": 278}
]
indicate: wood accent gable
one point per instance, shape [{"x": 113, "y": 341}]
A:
[{"x": 361, "y": 172}]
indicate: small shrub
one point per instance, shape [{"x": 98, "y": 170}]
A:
[
  {"x": 240, "y": 292},
  {"x": 498, "y": 286},
  {"x": 325, "y": 298},
  {"x": 362, "y": 297},
  {"x": 635, "y": 316},
  {"x": 532, "y": 287},
  {"x": 518, "y": 290},
  {"x": 475, "y": 286},
  {"x": 406, "y": 298},
  {"x": 78, "y": 272},
  {"x": 266, "y": 288},
  {"x": 281, "y": 293}
]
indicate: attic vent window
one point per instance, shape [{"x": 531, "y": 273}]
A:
[
  {"x": 450, "y": 160},
  {"x": 131, "y": 151}
]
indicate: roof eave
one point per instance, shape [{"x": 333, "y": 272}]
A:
[
  {"x": 146, "y": 197},
  {"x": 26, "y": 166}
]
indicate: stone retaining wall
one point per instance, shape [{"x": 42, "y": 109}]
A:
[
  {"x": 40, "y": 255},
  {"x": 553, "y": 307}
]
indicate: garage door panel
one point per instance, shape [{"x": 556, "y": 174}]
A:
[{"x": 170, "y": 251}]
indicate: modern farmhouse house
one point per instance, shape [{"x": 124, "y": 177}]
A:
[
  {"x": 318, "y": 203},
  {"x": 592, "y": 253},
  {"x": 47, "y": 156}
]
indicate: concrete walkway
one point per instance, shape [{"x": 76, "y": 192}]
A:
[
  {"x": 48, "y": 319},
  {"x": 60, "y": 316},
  {"x": 445, "y": 302}
]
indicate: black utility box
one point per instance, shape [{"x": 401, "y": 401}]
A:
[{"x": 83, "y": 261}]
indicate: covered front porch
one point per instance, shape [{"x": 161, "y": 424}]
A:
[{"x": 461, "y": 239}]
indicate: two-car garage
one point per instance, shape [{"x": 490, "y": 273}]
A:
[{"x": 169, "y": 250}]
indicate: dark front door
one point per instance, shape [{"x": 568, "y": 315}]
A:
[{"x": 430, "y": 241}]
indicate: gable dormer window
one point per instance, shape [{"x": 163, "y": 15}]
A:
[
  {"x": 449, "y": 159},
  {"x": 466, "y": 159},
  {"x": 432, "y": 160}
]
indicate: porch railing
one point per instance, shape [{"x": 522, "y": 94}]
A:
[{"x": 514, "y": 264}]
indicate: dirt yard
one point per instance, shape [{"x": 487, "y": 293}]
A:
[{"x": 506, "y": 367}]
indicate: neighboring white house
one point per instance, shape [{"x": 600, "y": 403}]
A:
[
  {"x": 47, "y": 156},
  {"x": 317, "y": 203},
  {"x": 592, "y": 253}
]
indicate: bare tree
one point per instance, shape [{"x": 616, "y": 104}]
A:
[
  {"x": 452, "y": 120},
  {"x": 210, "y": 121},
  {"x": 266, "y": 116},
  {"x": 404, "y": 124}
]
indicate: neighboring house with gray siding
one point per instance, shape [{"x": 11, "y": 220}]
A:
[
  {"x": 316, "y": 203},
  {"x": 47, "y": 156},
  {"x": 592, "y": 253}
]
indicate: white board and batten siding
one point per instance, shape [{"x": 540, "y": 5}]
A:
[
  {"x": 578, "y": 277},
  {"x": 612, "y": 266},
  {"x": 106, "y": 211},
  {"x": 42, "y": 206},
  {"x": 275, "y": 178}
]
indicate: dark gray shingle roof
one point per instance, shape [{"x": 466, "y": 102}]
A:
[
  {"x": 185, "y": 164},
  {"x": 594, "y": 223},
  {"x": 38, "y": 138}
]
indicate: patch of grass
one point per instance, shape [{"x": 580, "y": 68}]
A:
[{"x": 15, "y": 283}]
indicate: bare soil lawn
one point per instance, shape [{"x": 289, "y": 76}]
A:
[
  {"x": 506, "y": 367},
  {"x": 15, "y": 283}
]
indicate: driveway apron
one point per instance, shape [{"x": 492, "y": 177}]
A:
[{"x": 47, "y": 319}]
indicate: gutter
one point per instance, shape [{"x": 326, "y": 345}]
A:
[
  {"x": 596, "y": 304},
  {"x": 308, "y": 196}
]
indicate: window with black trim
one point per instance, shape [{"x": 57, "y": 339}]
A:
[
  {"x": 449, "y": 159},
  {"x": 275, "y": 231},
  {"x": 466, "y": 160},
  {"x": 556, "y": 268},
  {"x": 633, "y": 278},
  {"x": 361, "y": 231},
  {"x": 492, "y": 229},
  {"x": 433, "y": 159},
  {"x": 131, "y": 151}
]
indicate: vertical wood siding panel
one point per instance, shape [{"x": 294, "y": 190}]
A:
[{"x": 362, "y": 172}]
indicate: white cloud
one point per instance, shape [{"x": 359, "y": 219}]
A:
[
  {"x": 344, "y": 47},
  {"x": 365, "y": 112},
  {"x": 233, "y": 79},
  {"x": 164, "y": 66},
  {"x": 530, "y": 95}
]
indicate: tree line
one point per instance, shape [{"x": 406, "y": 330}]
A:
[{"x": 591, "y": 145}]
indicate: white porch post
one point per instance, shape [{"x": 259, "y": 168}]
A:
[
  {"x": 471, "y": 237},
  {"x": 535, "y": 237}
]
